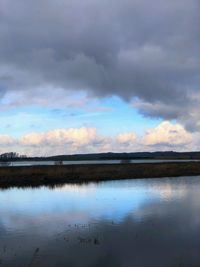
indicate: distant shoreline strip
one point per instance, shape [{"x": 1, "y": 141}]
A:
[{"x": 53, "y": 175}]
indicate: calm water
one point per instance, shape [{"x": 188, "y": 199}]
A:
[
  {"x": 74, "y": 162},
  {"x": 153, "y": 222}
]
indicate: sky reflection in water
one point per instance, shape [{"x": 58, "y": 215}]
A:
[{"x": 149, "y": 222}]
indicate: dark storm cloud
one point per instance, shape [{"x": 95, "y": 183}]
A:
[{"x": 143, "y": 49}]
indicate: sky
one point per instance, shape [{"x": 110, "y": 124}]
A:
[{"x": 85, "y": 76}]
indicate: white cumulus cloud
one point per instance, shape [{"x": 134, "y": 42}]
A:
[
  {"x": 168, "y": 134},
  {"x": 165, "y": 136}
]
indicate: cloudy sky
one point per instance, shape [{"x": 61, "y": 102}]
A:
[{"x": 81, "y": 76}]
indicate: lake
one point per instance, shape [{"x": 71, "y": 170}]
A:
[
  {"x": 75, "y": 162},
  {"x": 147, "y": 222}
]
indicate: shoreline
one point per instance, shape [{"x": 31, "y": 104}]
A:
[{"x": 25, "y": 176}]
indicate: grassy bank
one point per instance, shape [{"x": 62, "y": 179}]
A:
[{"x": 52, "y": 175}]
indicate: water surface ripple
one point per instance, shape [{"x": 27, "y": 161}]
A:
[{"x": 148, "y": 222}]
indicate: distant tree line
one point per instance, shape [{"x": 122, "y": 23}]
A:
[
  {"x": 11, "y": 155},
  {"x": 105, "y": 156}
]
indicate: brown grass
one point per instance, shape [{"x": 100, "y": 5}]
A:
[{"x": 42, "y": 175}]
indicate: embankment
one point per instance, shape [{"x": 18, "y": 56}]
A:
[{"x": 52, "y": 175}]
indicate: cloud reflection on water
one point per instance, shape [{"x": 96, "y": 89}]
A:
[
  {"x": 82, "y": 203},
  {"x": 129, "y": 219}
]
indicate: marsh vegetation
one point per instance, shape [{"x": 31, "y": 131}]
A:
[{"x": 57, "y": 174}]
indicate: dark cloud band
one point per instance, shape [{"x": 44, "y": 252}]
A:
[{"x": 144, "y": 49}]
